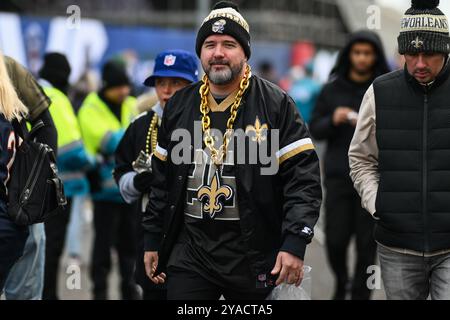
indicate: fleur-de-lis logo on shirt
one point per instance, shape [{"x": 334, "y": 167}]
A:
[
  {"x": 215, "y": 193},
  {"x": 417, "y": 43},
  {"x": 260, "y": 131}
]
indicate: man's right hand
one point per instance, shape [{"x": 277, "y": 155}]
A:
[
  {"x": 143, "y": 181},
  {"x": 151, "y": 263},
  {"x": 340, "y": 115}
]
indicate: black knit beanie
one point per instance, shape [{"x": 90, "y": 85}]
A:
[
  {"x": 56, "y": 70},
  {"x": 225, "y": 19},
  {"x": 114, "y": 74},
  {"x": 424, "y": 28}
]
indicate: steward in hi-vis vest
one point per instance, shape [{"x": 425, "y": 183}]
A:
[{"x": 104, "y": 116}]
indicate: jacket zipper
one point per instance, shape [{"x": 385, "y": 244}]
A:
[
  {"x": 30, "y": 177},
  {"x": 425, "y": 172},
  {"x": 39, "y": 168},
  {"x": 33, "y": 176}
]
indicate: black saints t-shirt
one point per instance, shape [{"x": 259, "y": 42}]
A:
[{"x": 211, "y": 242}]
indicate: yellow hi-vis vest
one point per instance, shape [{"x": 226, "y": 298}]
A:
[
  {"x": 63, "y": 116},
  {"x": 72, "y": 157},
  {"x": 98, "y": 122}
]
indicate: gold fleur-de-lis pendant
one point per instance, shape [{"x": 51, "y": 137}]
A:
[
  {"x": 260, "y": 131},
  {"x": 215, "y": 195}
]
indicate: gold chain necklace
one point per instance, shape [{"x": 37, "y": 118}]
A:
[
  {"x": 143, "y": 161},
  {"x": 218, "y": 155},
  {"x": 152, "y": 135}
]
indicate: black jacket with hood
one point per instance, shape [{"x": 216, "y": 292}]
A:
[
  {"x": 277, "y": 212},
  {"x": 341, "y": 91}
]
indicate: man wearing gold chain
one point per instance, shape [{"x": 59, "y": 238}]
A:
[
  {"x": 173, "y": 70},
  {"x": 216, "y": 225}
]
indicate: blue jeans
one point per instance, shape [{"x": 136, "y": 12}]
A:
[
  {"x": 12, "y": 242},
  {"x": 408, "y": 277},
  {"x": 26, "y": 278},
  {"x": 75, "y": 228}
]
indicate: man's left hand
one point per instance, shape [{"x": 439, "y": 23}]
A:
[{"x": 289, "y": 268}]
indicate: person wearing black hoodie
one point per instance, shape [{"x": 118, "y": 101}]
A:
[{"x": 334, "y": 120}]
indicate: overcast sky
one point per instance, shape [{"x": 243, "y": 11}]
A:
[{"x": 403, "y": 5}]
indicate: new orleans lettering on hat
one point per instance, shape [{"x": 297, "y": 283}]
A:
[{"x": 424, "y": 22}]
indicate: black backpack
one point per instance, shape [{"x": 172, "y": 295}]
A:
[{"x": 35, "y": 191}]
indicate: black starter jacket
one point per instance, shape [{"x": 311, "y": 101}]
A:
[{"x": 277, "y": 211}]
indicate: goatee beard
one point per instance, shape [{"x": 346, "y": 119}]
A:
[{"x": 225, "y": 76}]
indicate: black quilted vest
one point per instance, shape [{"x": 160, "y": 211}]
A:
[{"x": 413, "y": 136}]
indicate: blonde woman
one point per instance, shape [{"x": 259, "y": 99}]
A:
[
  {"x": 12, "y": 237},
  {"x": 26, "y": 278}
]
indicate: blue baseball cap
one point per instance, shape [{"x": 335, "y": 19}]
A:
[{"x": 174, "y": 64}]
